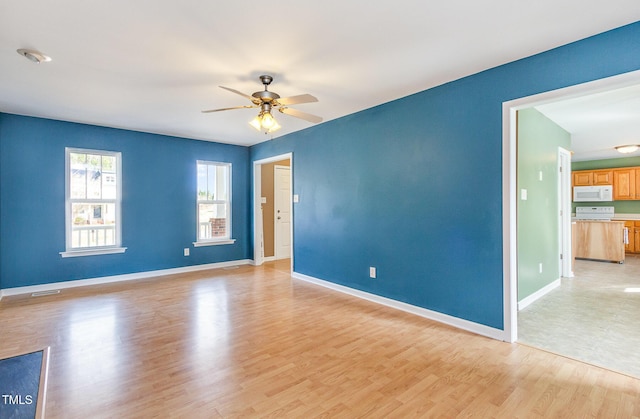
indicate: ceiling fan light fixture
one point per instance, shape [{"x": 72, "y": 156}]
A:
[
  {"x": 33, "y": 55},
  {"x": 626, "y": 149},
  {"x": 265, "y": 122},
  {"x": 255, "y": 122}
]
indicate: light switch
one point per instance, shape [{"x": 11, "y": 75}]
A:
[
  {"x": 296, "y": 198},
  {"x": 263, "y": 200},
  {"x": 523, "y": 194}
]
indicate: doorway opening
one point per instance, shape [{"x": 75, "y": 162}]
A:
[
  {"x": 273, "y": 211},
  {"x": 512, "y": 196}
]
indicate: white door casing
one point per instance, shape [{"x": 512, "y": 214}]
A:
[
  {"x": 258, "y": 256},
  {"x": 564, "y": 202}
]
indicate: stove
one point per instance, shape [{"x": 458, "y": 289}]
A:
[{"x": 595, "y": 213}]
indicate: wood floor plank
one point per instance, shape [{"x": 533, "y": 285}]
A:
[{"x": 253, "y": 342}]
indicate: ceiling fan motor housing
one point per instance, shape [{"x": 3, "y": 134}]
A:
[{"x": 266, "y": 96}]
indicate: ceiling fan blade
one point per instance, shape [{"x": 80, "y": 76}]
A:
[
  {"x": 295, "y": 100},
  {"x": 302, "y": 115},
  {"x": 228, "y": 109},
  {"x": 238, "y": 93}
]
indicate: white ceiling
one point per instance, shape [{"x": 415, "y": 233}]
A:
[
  {"x": 154, "y": 65},
  {"x": 599, "y": 122}
]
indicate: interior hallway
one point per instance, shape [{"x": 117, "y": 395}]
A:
[
  {"x": 252, "y": 342},
  {"x": 592, "y": 317}
]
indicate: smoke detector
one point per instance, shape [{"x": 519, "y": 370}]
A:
[{"x": 33, "y": 55}]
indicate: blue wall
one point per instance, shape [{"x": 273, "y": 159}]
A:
[
  {"x": 158, "y": 204},
  {"x": 414, "y": 187}
]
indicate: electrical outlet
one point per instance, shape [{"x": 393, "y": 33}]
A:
[
  {"x": 372, "y": 272},
  {"x": 186, "y": 251}
]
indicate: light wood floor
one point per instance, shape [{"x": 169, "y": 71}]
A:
[{"x": 252, "y": 342}]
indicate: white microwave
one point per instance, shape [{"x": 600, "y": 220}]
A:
[{"x": 593, "y": 193}]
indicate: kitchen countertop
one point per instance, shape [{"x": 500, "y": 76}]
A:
[
  {"x": 622, "y": 217},
  {"x": 617, "y": 217},
  {"x": 599, "y": 221}
]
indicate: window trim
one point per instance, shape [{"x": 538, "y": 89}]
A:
[
  {"x": 96, "y": 250},
  {"x": 228, "y": 238},
  {"x": 213, "y": 242}
]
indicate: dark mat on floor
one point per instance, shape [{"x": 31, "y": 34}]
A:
[{"x": 19, "y": 385}]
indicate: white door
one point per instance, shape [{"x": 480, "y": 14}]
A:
[
  {"x": 282, "y": 211},
  {"x": 564, "y": 201}
]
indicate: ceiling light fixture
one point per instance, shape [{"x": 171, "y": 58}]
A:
[
  {"x": 626, "y": 149},
  {"x": 265, "y": 121},
  {"x": 33, "y": 55}
]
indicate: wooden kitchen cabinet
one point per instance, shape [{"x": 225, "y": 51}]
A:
[
  {"x": 583, "y": 178},
  {"x": 592, "y": 177},
  {"x": 633, "y": 235},
  {"x": 624, "y": 183},
  {"x": 602, "y": 177},
  {"x": 601, "y": 240},
  {"x": 630, "y": 247}
]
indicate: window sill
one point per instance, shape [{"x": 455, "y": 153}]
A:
[
  {"x": 93, "y": 252},
  {"x": 213, "y": 242}
]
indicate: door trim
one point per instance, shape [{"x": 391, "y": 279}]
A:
[
  {"x": 258, "y": 252},
  {"x": 564, "y": 212}
]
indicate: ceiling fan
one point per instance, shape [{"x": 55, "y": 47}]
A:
[{"x": 268, "y": 101}]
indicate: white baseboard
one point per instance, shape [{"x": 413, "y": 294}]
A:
[
  {"x": 118, "y": 278},
  {"x": 269, "y": 259},
  {"x": 538, "y": 294},
  {"x": 467, "y": 325}
]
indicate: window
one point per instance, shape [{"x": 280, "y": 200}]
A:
[
  {"x": 93, "y": 193},
  {"x": 213, "y": 203}
]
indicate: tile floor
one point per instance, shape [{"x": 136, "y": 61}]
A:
[{"x": 593, "y": 317}]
